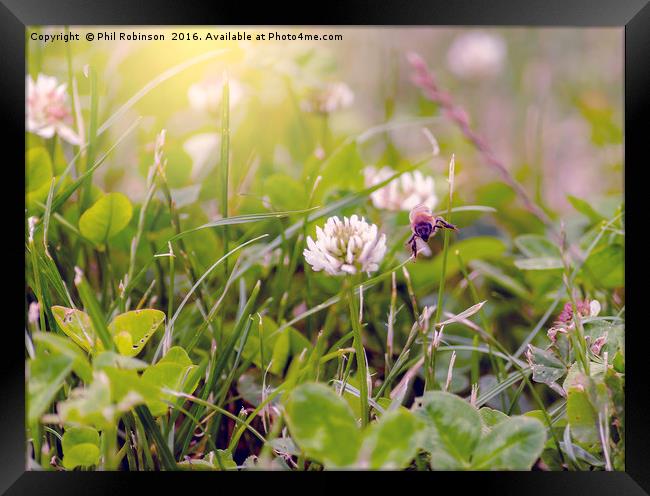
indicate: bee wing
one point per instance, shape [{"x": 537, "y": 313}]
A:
[{"x": 419, "y": 210}]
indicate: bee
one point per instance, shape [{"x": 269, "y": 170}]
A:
[{"x": 425, "y": 225}]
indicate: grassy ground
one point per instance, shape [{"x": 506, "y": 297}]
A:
[{"x": 184, "y": 309}]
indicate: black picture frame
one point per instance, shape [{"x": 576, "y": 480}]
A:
[{"x": 631, "y": 15}]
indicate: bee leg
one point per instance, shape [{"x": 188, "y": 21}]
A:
[
  {"x": 414, "y": 247},
  {"x": 411, "y": 241},
  {"x": 440, "y": 222}
]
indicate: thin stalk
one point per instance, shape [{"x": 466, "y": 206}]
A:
[
  {"x": 220, "y": 410},
  {"x": 390, "y": 328},
  {"x": 189, "y": 267},
  {"x": 91, "y": 305},
  {"x": 431, "y": 382},
  {"x": 128, "y": 445},
  {"x": 225, "y": 164},
  {"x": 497, "y": 365},
  {"x": 362, "y": 369},
  {"x": 234, "y": 440},
  {"x": 37, "y": 278},
  {"x": 164, "y": 455},
  {"x": 92, "y": 139},
  {"x": 170, "y": 287},
  {"x": 577, "y": 338},
  {"x": 144, "y": 453},
  {"x": 108, "y": 446},
  {"x": 142, "y": 217}
]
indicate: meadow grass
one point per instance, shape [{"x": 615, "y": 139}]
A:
[{"x": 159, "y": 340}]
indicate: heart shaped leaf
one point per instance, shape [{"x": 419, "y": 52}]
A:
[
  {"x": 392, "y": 442},
  {"x": 512, "y": 444},
  {"x": 173, "y": 372},
  {"x": 59, "y": 344},
  {"x": 132, "y": 330},
  {"x": 491, "y": 417},
  {"x": 47, "y": 371},
  {"x": 89, "y": 405},
  {"x": 75, "y": 324},
  {"x": 582, "y": 416},
  {"x": 547, "y": 368},
  {"x": 215, "y": 460},
  {"x": 323, "y": 425},
  {"x": 453, "y": 430},
  {"x": 80, "y": 447},
  {"x": 107, "y": 217}
]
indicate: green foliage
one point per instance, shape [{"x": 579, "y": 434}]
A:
[
  {"x": 76, "y": 324},
  {"x": 107, "y": 217},
  {"x": 170, "y": 310},
  {"x": 604, "y": 267},
  {"x": 90, "y": 405},
  {"x": 285, "y": 192},
  {"x": 132, "y": 330},
  {"x": 46, "y": 374},
  {"x": 342, "y": 169},
  {"x": 214, "y": 460},
  {"x": 39, "y": 169},
  {"x": 535, "y": 245},
  {"x": 547, "y": 367},
  {"x": 59, "y": 345},
  {"x": 276, "y": 346},
  {"x": 172, "y": 372},
  {"x": 490, "y": 417},
  {"x": 512, "y": 444},
  {"x": 323, "y": 425},
  {"x": 427, "y": 273},
  {"x": 80, "y": 447},
  {"x": 392, "y": 442},
  {"x": 460, "y": 437},
  {"x": 585, "y": 208},
  {"x": 581, "y": 416},
  {"x": 179, "y": 167},
  {"x": 453, "y": 430}
]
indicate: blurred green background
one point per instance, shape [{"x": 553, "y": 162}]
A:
[{"x": 550, "y": 104}]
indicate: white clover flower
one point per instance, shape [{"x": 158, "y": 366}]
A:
[
  {"x": 47, "y": 111},
  {"x": 402, "y": 193},
  {"x": 346, "y": 247},
  {"x": 476, "y": 55},
  {"x": 331, "y": 97},
  {"x": 206, "y": 95},
  {"x": 34, "y": 313}
]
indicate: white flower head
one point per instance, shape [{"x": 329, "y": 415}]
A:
[
  {"x": 47, "y": 110},
  {"x": 402, "y": 193},
  {"x": 33, "y": 314},
  {"x": 329, "y": 98},
  {"x": 206, "y": 95},
  {"x": 346, "y": 246},
  {"x": 476, "y": 55}
]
